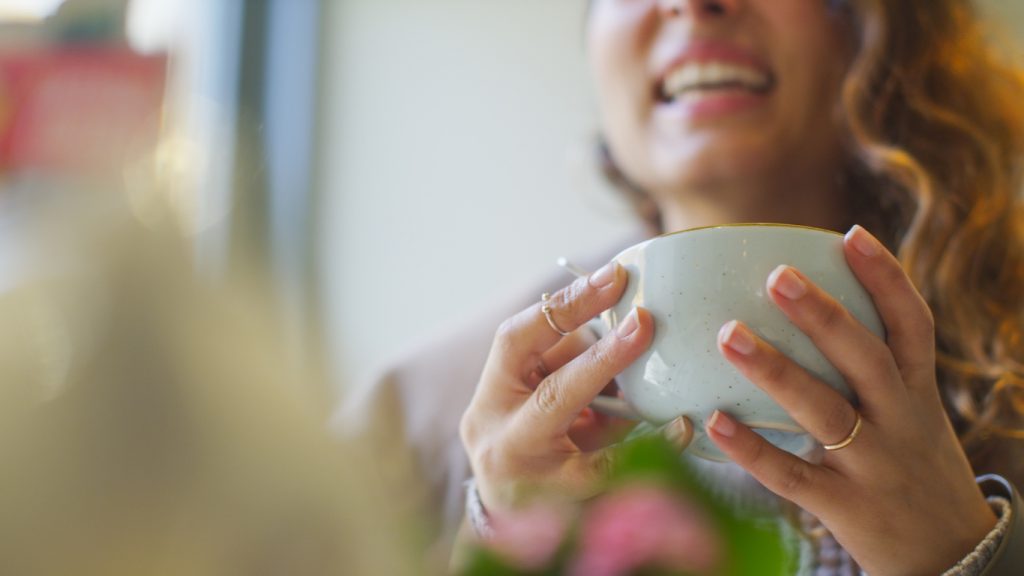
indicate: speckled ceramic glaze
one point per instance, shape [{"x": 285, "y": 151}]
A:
[{"x": 695, "y": 281}]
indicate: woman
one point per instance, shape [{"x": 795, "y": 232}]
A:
[{"x": 891, "y": 115}]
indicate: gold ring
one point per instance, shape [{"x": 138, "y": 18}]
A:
[
  {"x": 846, "y": 441},
  {"x": 546, "y": 309}
]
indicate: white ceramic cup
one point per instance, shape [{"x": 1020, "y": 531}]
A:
[{"x": 695, "y": 281}]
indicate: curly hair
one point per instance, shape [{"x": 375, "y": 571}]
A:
[
  {"x": 936, "y": 135},
  {"x": 934, "y": 131}
]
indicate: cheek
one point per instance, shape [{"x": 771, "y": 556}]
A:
[
  {"x": 814, "y": 52},
  {"x": 811, "y": 37},
  {"x": 619, "y": 36}
]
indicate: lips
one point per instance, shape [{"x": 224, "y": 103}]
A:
[
  {"x": 696, "y": 76},
  {"x": 713, "y": 77}
]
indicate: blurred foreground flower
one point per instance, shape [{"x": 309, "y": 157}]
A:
[
  {"x": 530, "y": 538},
  {"x": 645, "y": 526},
  {"x": 656, "y": 517}
]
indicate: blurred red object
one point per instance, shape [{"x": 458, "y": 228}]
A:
[{"x": 79, "y": 109}]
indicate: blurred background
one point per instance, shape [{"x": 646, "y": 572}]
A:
[
  {"x": 396, "y": 164},
  {"x": 341, "y": 179}
]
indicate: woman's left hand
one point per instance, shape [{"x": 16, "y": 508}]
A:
[{"x": 901, "y": 497}]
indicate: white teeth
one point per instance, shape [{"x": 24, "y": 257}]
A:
[{"x": 705, "y": 75}]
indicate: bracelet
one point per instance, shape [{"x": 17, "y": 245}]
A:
[{"x": 479, "y": 521}]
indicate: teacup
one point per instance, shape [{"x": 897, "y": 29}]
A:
[{"x": 695, "y": 281}]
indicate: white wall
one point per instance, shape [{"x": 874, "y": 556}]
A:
[
  {"x": 457, "y": 165},
  {"x": 456, "y": 161}
]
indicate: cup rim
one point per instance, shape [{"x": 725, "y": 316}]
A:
[
  {"x": 634, "y": 247},
  {"x": 748, "y": 225}
]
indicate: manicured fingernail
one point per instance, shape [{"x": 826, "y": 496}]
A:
[
  {"x": 629, "y": 325},
  {"x": 786, "y": 282},
  {"x": 722, "y": 424},
  {"x": 738, "y": 338},
  {"x": 604, "y": 276},
  {"x": 679, "y": 432},
  {"x": 863, "y": 241}
]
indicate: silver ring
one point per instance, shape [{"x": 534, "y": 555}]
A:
[
  {"x": 846, "y": 441},
  {"x": 546, "y": 309}
]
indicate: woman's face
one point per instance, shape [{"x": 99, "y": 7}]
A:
[{"x": 712, "y": 96}]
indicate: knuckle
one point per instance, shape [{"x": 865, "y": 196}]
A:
[
  {"x": 488, "y": 459},
  {"x": 880, "y": 361},
  {"x": 601, "y": 357},
  {"x": 569, "y": 300},
  {"x": 878, "y": 354},
  {"x": 755, "y": 455},
  {"x": 832, "y": 315},
  {"x": 775, "y": 371},
  {"x": 837, "y": 422},
  {"x": 503, "y": 336},
  {"x": 467, "y": 432},
  {"x": 895, "y": 276},
  {"x": 549, "y": 396},
  {"x": 477, "y": 437},
  {"x": 506, "y": 328},
  {"x": 796, "y": 477}
]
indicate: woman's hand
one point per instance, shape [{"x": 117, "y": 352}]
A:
[
  {"x": 901, "y": 497},
  {"x": 528, "y": 427}
]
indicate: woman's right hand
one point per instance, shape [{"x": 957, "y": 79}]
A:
[{"x": 531, "y": 403}]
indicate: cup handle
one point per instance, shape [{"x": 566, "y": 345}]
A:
[{"x": 616, "y": 407}]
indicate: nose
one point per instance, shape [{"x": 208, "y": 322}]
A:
[{"x": 697, "y": 9}]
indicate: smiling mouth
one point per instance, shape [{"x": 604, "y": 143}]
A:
[{"x": 698, "y": 79}]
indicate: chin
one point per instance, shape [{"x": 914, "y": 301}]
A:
[{"x": 714, "y": 166}]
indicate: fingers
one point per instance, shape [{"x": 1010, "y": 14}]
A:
[
  {"x": 778, "y": 470},
  {"x": 593, "y": 467},
  {"x": 908, "y": 321},
  {"x": 563, "y": 352},
  {"x": 592, "y": 430},
  {"x": 818, "y": 408},
  {"x": 860, "y": 356},
  {"x": 562, "y": 395},
  {"x": 679, "y": 432},
  {"x": 527, "y": 335}
]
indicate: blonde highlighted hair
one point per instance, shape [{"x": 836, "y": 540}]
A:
[{"x": 936, "y": 140}]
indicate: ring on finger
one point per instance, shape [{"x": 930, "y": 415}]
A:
[
  {"x": 546, "y": 310},
  {"x": 849, "y": 438}
]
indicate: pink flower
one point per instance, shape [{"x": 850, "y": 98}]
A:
[
  {"x": 644, "y": 526},
  {"x": 529, "y": 538}
]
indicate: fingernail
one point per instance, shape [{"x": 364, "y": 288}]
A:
[
  {"x": 722, "y": 424},
  {"x": 603, "y": 277},
  {"x": 785, "y": 281},
  {"x": 863, "y": 241},
  {"x": 629, "y": 325},
  {"x": 679, "y": 432},
  {"x": 738, "y": 338}
]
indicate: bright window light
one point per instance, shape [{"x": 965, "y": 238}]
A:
[
  {"x": 27, "y": 10},
  {"x": 153, "y": 24}
]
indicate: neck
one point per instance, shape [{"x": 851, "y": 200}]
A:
[{"x": 822, "y": 203}]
